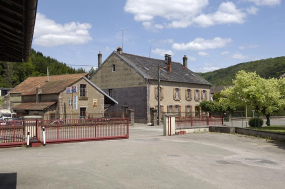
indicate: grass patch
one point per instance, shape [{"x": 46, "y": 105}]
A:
[{"x": 272, "y": 128}]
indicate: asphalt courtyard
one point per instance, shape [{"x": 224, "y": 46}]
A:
[{"x": 150, "y": 160}]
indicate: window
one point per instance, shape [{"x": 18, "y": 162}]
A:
[
  {"x": 188, "y": 94},
  {"x": 82, "y": 113},
  {"x": 110, "y": 92},
  {"x": 176, "y": 94},
  {"x": 204, "y": 96},
  {"x": 170, "y": 110},
  {"x": 52, "y": 116},
  {"x": 197, "y": 95},
  {"x": 156, "y": 93},
  {"x": 178, "y": 109},
  {"x": 114, "y": 68},
  {"x": 188, "y": 110},
  {"x": 83, "y": 90}
]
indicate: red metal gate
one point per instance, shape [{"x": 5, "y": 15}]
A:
[
  {"x": 203, "y": 121},
  {"x": 69, "y": 130}
]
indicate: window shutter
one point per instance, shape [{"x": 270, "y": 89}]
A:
[
  {"x": 179, "y": 93},
  {"x": 179, "y": 110},
  {"x": 186, "y": 94},
  {"x": 167, "y": 109},
  {"x": 86, "y": 91},
  {"x": 205, "y": 95},
  {"x": 161, "y": 93},
  {"x": 161, "y": 109},
  {"x": 155, "y": 92},
  {"x": 173, "y": 93},
  {"x": 201, "y": 94}
]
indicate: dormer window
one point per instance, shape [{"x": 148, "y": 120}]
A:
[{"x": 114, "y": 68}]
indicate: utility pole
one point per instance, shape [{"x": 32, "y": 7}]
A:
[
  {"x": 158, "y": 96},
  {"x": 123, "y": 37}
]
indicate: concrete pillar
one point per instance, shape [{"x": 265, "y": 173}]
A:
[
  {"x": 154, "y": 117},
  {"x": 169, "y": 124},
  {"x": 131, "y": 117}
]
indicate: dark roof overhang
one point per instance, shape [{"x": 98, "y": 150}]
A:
[{"x": 17, "y": 22}]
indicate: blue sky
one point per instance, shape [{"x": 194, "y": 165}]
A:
[{"x": 213, "y": 34}]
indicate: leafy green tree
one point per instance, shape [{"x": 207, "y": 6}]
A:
[{"x": 264, "y": 95}]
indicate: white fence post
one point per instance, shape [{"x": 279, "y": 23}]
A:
[
  {"x": 44, "y": 135},
  {"x": 28, "y": 139}
]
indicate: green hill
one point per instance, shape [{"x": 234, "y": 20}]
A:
[
  {"x": 267, "y": 68},
  {"x": 13, "y": 73}
]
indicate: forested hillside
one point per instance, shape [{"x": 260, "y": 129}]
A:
[
  {"x": 267, "y": 68},
  {"x": 11, "y": 74}
]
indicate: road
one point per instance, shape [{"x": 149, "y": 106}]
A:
[{"x": 150, "y": 160}]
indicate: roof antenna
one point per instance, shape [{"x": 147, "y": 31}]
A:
[
  {"x": 47, "y": 75},
  {"x": 149, "y": 51},
  {"x": 122, "y": 37}
]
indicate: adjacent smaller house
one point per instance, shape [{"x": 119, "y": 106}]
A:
[{"x": 70, "y": 96}]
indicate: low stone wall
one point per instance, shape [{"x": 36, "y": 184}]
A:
[
  {"x": 221, "y": 129},
  {"x": 263, "y": 134},
  {"x": 246, "y": 131},
  {"x": 194, "y": 130}
]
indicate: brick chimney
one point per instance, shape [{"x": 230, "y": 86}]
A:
[
  {"x": 99, "y": 59},
  {"x": 185, "y": 61},
  {"x": 169, "y": 68},
  {"x": 120, "y": 50},
  {"x": 166, "y": 58}
]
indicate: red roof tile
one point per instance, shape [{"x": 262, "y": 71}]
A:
[
  {"x": 56, "y": 83},
  {"x": 34, "y": 106}
]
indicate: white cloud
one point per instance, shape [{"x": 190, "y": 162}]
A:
[
  {"x": 265, "y": 2},
  {"x": 166, "y": 41},
  {"x": 177, "y": 12},
  {"x": 202, "y": 44},
  {"x": 238, "y": 55},
  {"x": 225, "y": 52},
  {"x": 248, "y": 47},
  {"x": 227, "y": 13},
  {"x": 190, "y": 58},
  {"x": 161, "y": 52},
  {"x": 49, "y": 33},
  {"x": 207, "y": 69},
  {"x": 203, "y": 53},
  {"x": 252, "y": 10}
]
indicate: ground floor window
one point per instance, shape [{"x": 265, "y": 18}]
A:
[
  {"x": 52, "y": 116},
  {"x": 82, "y": 113}
]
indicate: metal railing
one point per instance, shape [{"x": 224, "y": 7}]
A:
[
  {"x": 15, "y": 133},
  {"x": 202, "y": 121}
]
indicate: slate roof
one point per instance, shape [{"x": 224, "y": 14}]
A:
[
  {"x": 218, "y": 89},
  {"x": 34, "y": 106},
  {"x": 147, "y": 67},
  {"x": 55, "y": 81}
]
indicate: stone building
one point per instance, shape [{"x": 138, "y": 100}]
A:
[
  {"x": 71, "y": 96},
  {"x": 133, "y": 81}
]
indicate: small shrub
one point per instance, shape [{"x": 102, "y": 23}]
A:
[{"x": 257, "y": 121}]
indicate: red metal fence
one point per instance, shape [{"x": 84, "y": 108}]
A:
[
  {"x": 57, "y": 131},
  {"x": 203, "y": 121}
]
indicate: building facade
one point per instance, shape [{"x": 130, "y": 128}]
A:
[
  {"x": 133, "y": 81},
  {"x": 70, "y": 97}
]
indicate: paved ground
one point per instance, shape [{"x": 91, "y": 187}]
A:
[{"x": 149, "y": 160}]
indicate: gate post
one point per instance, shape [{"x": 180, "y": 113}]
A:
[
  {"x": 131, "y": 117},
  {"x": 154, "y": 117},
  {"x": 169, "y": 124}
]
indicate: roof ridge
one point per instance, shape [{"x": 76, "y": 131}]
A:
[{"x": 148, "y": 57}]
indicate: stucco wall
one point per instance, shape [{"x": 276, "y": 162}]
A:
[
  {"x": 92, "y": 93},
  {"x": 124, "y": 76},
  {"x": 168, "y": 90}
]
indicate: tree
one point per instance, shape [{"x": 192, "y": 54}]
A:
[{"x": 265, "y": 95}]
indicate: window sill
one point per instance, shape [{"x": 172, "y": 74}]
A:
[{"x": 83, "y": 98}]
